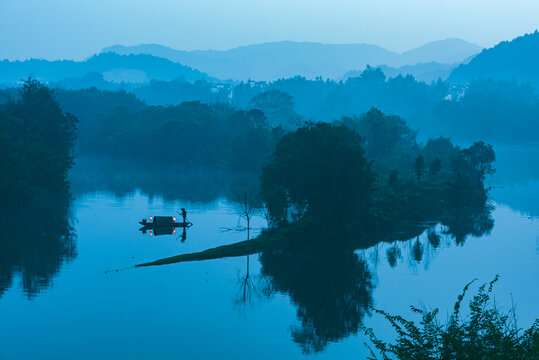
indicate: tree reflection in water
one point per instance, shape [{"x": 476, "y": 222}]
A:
[
  {"x": 417, "y": 251},
  {"x": 466, "y": 221},
  {"x": 457, "y": 226},
  {"x": 393, "y": 254},
  {"x": 320, "y": 270},
  {"x": 246, "y": 292},
  {"x": 251, "y": 287},
  {"x": 36, "y": 240},
  {"x": 331, "y": 288}
]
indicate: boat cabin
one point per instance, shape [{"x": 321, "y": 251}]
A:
[{"x": 160, "y": 221}]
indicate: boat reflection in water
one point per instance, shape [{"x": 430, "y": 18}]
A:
[{"x": 164, "y": 225}]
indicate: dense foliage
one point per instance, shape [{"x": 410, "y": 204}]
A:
[
  {"x": 368, "y": 174},
  {"x": 192, "y": 133},
  {"x": 480, "y": 108},
  {"x": 324, "y": 100},
  {"x": 36, "y": 144},
  {"x": 386, "y": 139},
  {"x": 278, "y": 107},
  {"x": 485, "y": 109},
  {"x": 515, "y": 59},
  {"x": 503, "y": 111},
  {"x": 483, "y": 98},
  {"x": 320, "y": 170},
  {"x": 117, "y": 68},
  {"x": 486, "y": 333}
]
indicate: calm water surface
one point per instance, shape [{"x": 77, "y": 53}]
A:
[{"x": 74, "y": 304}]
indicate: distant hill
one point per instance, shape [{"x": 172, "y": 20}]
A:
[
  {"x": 426, "y": 72},
  {"x": 113, "y": 67},
  {"x": 270, "y": 61},
  {"x": 517, "y": 59},
  {"x": 448, "y": 51}
]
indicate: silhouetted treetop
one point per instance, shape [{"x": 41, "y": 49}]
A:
[{"x": 319, "y": 169}]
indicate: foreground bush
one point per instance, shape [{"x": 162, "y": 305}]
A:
[{"x": 485, "y": 334}]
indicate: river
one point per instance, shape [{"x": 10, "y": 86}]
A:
[{"x": 84, "y": 299}]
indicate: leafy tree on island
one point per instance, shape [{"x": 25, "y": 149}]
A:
[
  {"x": 481, "y": 156},
  {"x": 319, "y": 170}
]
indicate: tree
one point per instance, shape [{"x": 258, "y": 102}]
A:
[
  {"x": 375, "y": 75},
  {"x": 248, "y": 203},
  {"x": 320, "y": 170},
  {"x": 481, "y": 156},
  {"x": 37, "y": 142},
  {"x": 278, "y": 107},
  {"x": 435, "y": 167},
  {"x": 419, "y": 166},
  {"x": 384, "y": 135},
  {"x": 441, "y": 148}
]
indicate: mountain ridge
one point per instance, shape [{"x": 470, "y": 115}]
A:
[
  {"x": 115, "y": 68},
  {"x": 515, "y": 59},
  {"x": 274, "y": 60}
]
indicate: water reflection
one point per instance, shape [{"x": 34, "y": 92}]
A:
[
  {"x": 247, "y": 204},
  {"x": 251, "y": 288},
  {"x": 186, "y": 184},
  {"x": 456, "y": 227},
  {"x": 463, "y": 222},
  {"x": 516, "y": 182},
  {"x": 36, "y": 240},
  {"x": 165, "y": 230},
  {"x": 320, "y": 270},
  {"x": 331, "y": 288},
  {"x": 393, "y": 255}
]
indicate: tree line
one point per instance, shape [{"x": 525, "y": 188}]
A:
[
  {"x": 483, "y": 107},
  {"x": 369, "y": 172},
  {"x": 36, "y": 144}
]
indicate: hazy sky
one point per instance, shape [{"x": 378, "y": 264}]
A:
[{"x": 75, "y": 29}]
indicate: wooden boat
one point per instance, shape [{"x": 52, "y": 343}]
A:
[{"x": 164, "y": 221}]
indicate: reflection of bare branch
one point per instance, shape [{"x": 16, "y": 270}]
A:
[
  {"x": 250, "y": 288},
  {"x": 238, "y": 228},
  {"x": 223, "y": 229},
  {"x": 249, "y": 204},
  {"x": 246, "y": 289}
]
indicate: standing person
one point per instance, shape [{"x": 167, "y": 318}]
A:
[{"x": 184, "y": 215}]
